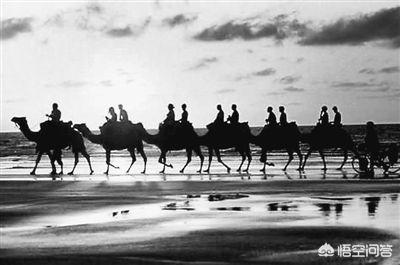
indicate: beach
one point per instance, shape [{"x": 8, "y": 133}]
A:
[{"x": 169, "y": 222}]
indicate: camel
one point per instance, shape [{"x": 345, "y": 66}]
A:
[
  {"x": 322, "y": 138},
  {"x": 276, "y": 138},
  {"x": 227, "y": 136},
  {"x": 48, "y": 139},
  {"x": 117, "y": 136},
  {"x": 177, "y": 137}
]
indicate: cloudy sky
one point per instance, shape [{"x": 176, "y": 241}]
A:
[{"x": 88, "y": 56}]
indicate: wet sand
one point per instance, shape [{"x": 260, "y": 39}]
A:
[{"x": 125, "y": 220}]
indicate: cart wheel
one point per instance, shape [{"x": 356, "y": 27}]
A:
[{"x": 360, "y": 164}]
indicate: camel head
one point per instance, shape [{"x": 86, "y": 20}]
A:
[
  {"x": 20, "y": 121},
  {"x": 82, "y": 128}
]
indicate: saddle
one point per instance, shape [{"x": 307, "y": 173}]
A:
[
  {"x": 55, "y": 127},
  {"x": 116, "y": 127},
  {"x": 175, "y": 129}
]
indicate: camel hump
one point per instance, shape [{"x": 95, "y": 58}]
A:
[{"x": 117, "y": 128}]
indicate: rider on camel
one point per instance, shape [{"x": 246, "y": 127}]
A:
[
  {"x": 55, "y": 114},
  {"x": 234, "y": 118},
  {"x": 283, "y": 118},
  {"x": 323, "y": 117},
  {"x": 337, "y": 121},
  {"x": 184, "y": 116},
  {"x": 123, "y": 115},
  {"x": 113, "y": 118},
  {"x": 271, "y": 120}
]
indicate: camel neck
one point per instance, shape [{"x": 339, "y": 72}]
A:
[
  {"x": 149, "y": 138},
  {"x": 30, "y": 135},
  {"x": 94, "y": 138}
]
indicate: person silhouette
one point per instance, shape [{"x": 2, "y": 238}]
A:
[
  {"x": 234, "y": 118},
  {"x": 337, "y": 121},
  {"x": 123, "y": 115},
  {"x": 113, "y": 118},
  {"x": 55, "y": 114},
  {"x": 184, "y": 116},
  {"x": 220, "y": 116},
  {"x": 283, "y": 117},
  {"x": 372, "y": 144},
  {"x": 170, "y": 115},
  {"x": 271, "y": 120},
  {"x": 323, "y": 117}
]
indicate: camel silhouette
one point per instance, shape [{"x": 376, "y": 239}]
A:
[
  {"x": 325, "y": 137},
  {"x": 180, "y": 137},
  {"x": 276, "y": 138},
  {"x": 48, "y": 139},
  {"x": 117, "y": 136},
  {"x": 226, "y": 136}
]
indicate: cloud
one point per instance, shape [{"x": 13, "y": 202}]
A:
[
  {"x": 120, "y": 32},
  {"x": 352, "y": 84},
  {"x": 279, "y": 27},
  {"x": 368, "y": 71},
  {"x": 385, "y": 70},
  {"x": 11, "y": 27},
  {"x": 179, "y": 19},
  {"x": 362, "y": 86},
  {"x": 205, "y": 62},
  {"x": 265, "y": 72},
  {"x": 289, "y": 79},
  {"x": 389, "y": 70},
  {"x": 382, "y": 25},
  {"x": 94, "y": 8},
  {"x": 293, "y": 89},
  {"x": 224, "y": 91},
  {"x": 128, "y": 30}
]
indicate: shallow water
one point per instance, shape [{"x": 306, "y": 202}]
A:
[{"x": 360, "y": 210}]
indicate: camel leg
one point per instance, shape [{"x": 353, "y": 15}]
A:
[
  {"x": 52, "y": 162},
  {"x": 298, "y": 152},
  {"x": 263, "y": 159},
  {"x": 76, "y": 155},
  {"x": 290, "y": 153},
  {"x": 39, "y": 156},
  {"x": 108, "y": 155},
  {"x": 210, "y": 155},
  {"x": 57, "y": 157},
  {"x": 218, "y": 154},
  {"x": 133, "y": 156},
  {"x": 53, "y": 165},
  {"x": 163, "y": 160},
  {"x": 248, "y": 154},
  {"x": 321, "y": 153},
  {"x": 189, "y": 158},
  {"x": 143, "y": 154},
  {"x": 241, "y": 163},
  {"x": 197, "y": 150},
  {"x": 86, "y": 155},
  {"x": 344, "y": 160},
  {"x": 306, "y": 157}
]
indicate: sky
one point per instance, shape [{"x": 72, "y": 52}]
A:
[{"x": 90, "y": 55}]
